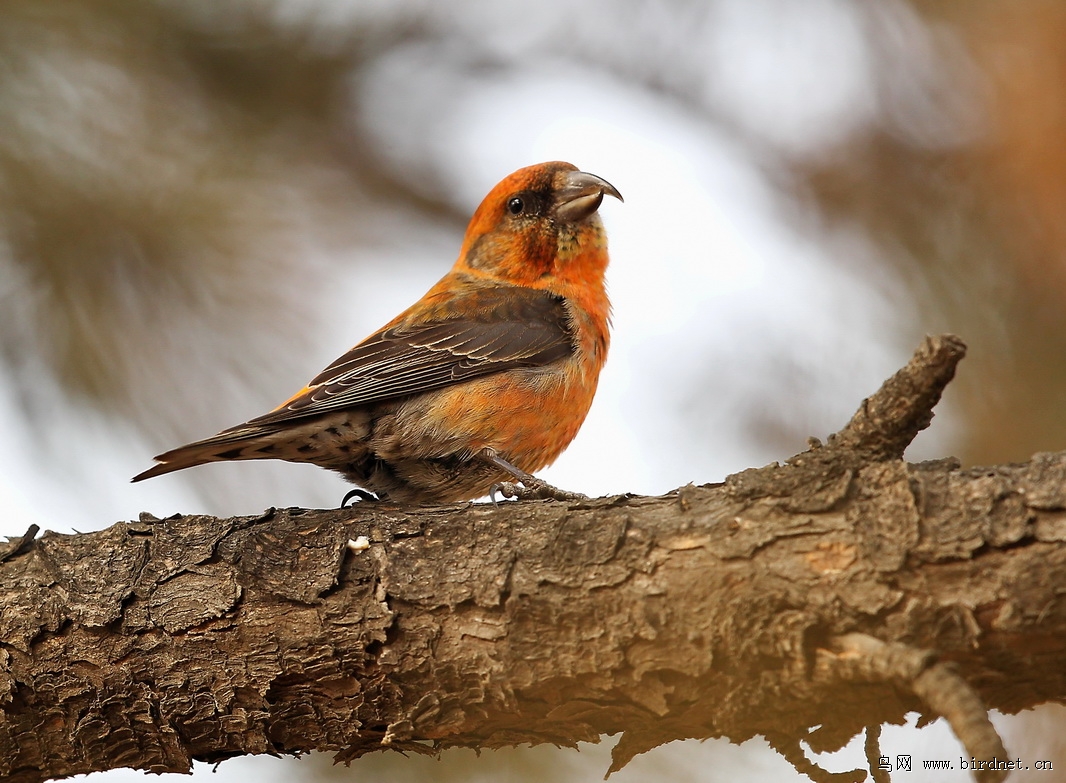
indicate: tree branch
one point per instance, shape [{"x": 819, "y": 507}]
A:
[
  {"x": 842, "y": 590},
  {"x": 888, "y": 421}
]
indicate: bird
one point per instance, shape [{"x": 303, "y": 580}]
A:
[{"x": 481, "y": 383}]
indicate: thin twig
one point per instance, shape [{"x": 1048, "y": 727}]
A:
[
  {"x": 861, "y": 658},
  {"x": 872, "y": 746},
  {"x": 792, "y": 752}
]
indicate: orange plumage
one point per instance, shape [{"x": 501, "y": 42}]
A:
[{"x": 485, "y": 379}]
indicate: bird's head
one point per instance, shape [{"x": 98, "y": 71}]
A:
[{"x": 538, "y": 226}]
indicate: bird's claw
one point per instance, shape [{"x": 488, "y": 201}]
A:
[
  {"x": 507, "y": 489},
  {"x": 362, "y": 494}
]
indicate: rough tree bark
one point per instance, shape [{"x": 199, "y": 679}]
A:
[{"x": 841, "y": 590}]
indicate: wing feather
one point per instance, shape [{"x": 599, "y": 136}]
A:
[{"x": 505, "y": 327}]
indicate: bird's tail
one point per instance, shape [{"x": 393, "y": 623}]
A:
[{"x": 238, "y": 443}]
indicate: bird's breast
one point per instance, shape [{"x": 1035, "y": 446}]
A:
[{"x": 528, "y": 415}]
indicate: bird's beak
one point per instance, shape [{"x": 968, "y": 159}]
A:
[{"x": 580, "y": 195}]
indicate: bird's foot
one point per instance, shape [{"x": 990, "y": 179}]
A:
[
  {"x": 532, "y": 488},
  {"x": 361, "y": 494},
  {"x": 526, "y": 486}
]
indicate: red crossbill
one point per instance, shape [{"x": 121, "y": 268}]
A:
[{"x": 482, "y": 382}]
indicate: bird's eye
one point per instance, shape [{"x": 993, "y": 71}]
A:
[{"x": 515, "y": 205}]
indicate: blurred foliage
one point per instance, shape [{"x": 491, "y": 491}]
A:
[
  {"x": 156, "y": 168},
  {"x": 153, "y": 156},
  {"x": 161, "y": 164},
  {"x": 977, "y": 227}
]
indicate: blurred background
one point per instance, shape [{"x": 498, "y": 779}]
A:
[{"x": 203, "y": 204}]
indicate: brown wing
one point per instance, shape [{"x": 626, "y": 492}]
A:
[{"x": 509, "y": 327}]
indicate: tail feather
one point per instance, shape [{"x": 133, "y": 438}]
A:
[
  {"x": 223, "y": 447},
  {"x": 332, "y": 441},
  {"x": 164, "y": 467}
]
